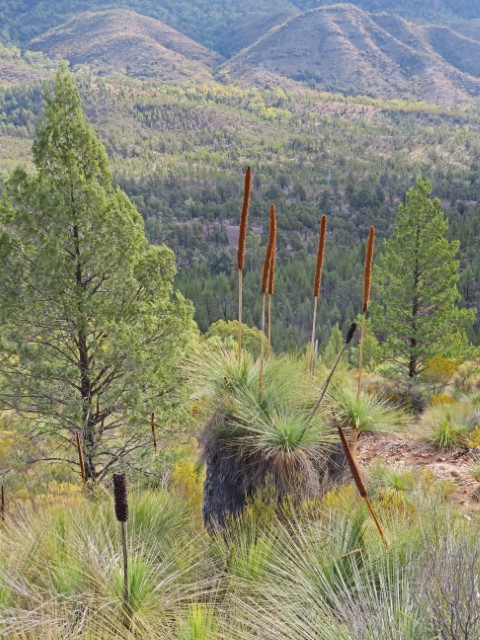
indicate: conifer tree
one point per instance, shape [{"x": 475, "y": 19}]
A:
[
  {"x": 415, "y": 284},
  {"x": 91, "y": 327}
]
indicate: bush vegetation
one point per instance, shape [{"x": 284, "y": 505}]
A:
[{"x": 289, "y": 550}]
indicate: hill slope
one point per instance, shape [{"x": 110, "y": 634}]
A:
[
  {"x": 415, "y": 10},
  {"x": 120, "y": 39},
  {"x": 224, "y": 25},
  {"x": 342, "y": 48}
]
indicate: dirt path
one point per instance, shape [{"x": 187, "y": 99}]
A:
[{"x": 410, "y": 453}]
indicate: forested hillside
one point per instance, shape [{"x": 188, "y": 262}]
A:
[
  {"x": 179, "y": 153},
  {"x": 179, "y": 149}
]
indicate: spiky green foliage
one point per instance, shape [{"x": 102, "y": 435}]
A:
[
  {"x": 366, "y": 413},
  {"x": 278, "y": 424},
  {"x": 278, "y": 574},
  {"x": 74, "y": 567},
  {"x": 447, "y": 426}
]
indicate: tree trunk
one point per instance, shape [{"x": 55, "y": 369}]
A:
[
  {"x": 412, "y": 365},
  {"x": 88, "y": 423}
]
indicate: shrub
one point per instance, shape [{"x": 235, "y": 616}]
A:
[
  {"x": 410, "y": 395},
  {"x": 250, "y": 440},
  {"x": 467, "y": 378},
  {"x": 447, "y": 426},
  {"x": 438, "y": 372},
  {"x": 367, "y": 413}
]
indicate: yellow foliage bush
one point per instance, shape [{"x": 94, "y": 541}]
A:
[
  {"x": 439, "y": 371},
  {"x": 442, "y": 399},
  {"x": 187, "y": 480},
  {"x": 343, "y": 497},
  {"x": 474, "y": 438},
  {"x": 56, "y": 497}
]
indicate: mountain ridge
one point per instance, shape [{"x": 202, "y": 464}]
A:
[
  {"x": 331, "y": 46},
  {"x": 341, "y": 48},
  {"x": 118, "y": 38}
]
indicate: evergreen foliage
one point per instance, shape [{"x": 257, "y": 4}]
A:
[
  {"x": 91, "y": 327},
  {"x": 416, "y": 285}
]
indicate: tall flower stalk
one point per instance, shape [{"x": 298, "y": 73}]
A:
[
  {"x": 367, "y": 284},
  {"x": 317, "y": 284},
  {"x": 271, "y": 283},
  {"x": 242, "y": 239},
  {"x": 267, "y": 265},
  {"x": 121, "y": 513}
]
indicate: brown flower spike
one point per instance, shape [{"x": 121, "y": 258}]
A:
[
  {"x": 120, "y": 496},
  {"x": 271, "y": 275},
  {"x": 244, "y": 219},
  {"x": 367, "y": 277},
  {"x": 359, "y": 483},
  {"x": 320, "y": 255},
  {"x": 352, "y": 464},
  {"x": 270, "y": 249}
]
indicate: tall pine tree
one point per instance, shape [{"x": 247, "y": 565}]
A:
[
  {"x": 91, "y": 327},
  {"x": 415, "y": 284}
]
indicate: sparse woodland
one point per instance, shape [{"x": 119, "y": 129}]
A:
[{"x": 217, "y": 479}]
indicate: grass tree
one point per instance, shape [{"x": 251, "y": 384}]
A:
[
  {"x": 250, "y": 443},
  {"x": 91, "y": 326}
]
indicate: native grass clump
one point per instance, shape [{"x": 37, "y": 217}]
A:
[
  {"x": 366, "y": 412},
  {"x": 451, "y": 425},
  {"x": 278, "y": 572}
]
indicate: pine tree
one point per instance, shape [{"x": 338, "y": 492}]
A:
[
  {"x": 415, "y": 284},
  {"x": 91, "y": 326}
]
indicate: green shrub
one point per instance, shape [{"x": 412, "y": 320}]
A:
[
  {"x": 447, "y": 426},
  {"x": 367, "y": 413}
]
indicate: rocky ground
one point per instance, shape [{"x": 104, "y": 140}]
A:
[{"x": 408, "y": 452}]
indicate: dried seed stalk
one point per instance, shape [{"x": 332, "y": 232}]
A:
[
  {"x": 367, "y": 285},
  {"x": 359, "y": 482},
  {"x": 317, "y": 283},
  {"x": 242, "y": 239},
  {"x": 154, "y": 431},
  {"x": 348, "y": 339}
]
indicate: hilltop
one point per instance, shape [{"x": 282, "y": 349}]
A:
[
  {"x": 119, "y": 39},
  {"x": 415, "y": 10},
  {"x": 343, "y": 49},
  {"x": 351, "y": 48},
  {"x": 221, "y": 25}
]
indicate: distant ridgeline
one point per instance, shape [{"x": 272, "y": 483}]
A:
[{"x": 353, "y": 47}]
